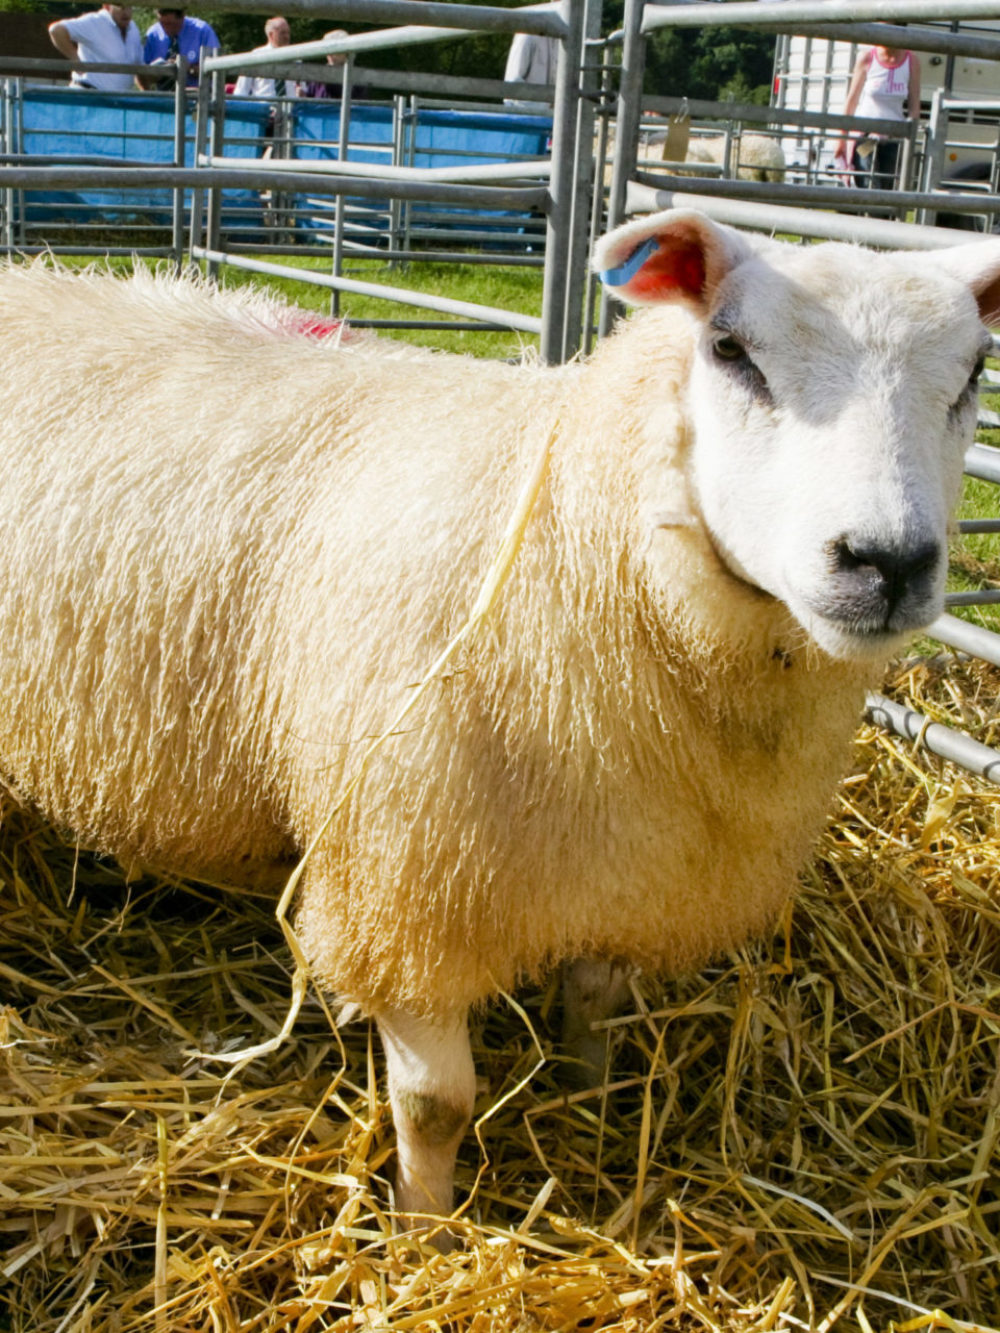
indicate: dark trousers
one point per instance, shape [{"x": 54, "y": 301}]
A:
[{"x": 875, "y": 170}]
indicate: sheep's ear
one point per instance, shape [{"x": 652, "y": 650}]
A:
[
  {"x": 978, "y": 266},
  {"x": 673, "y": 256}
]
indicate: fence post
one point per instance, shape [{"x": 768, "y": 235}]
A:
[
  {"x": 216, "y": 133},
  {"x": 343, "y": 149},
  {"x": 180, "y": 139},
  {"x": 560, "y": 203},
  {"x": 7, "y": 142},
  {"x": 597, "y": 195},
  {"x": 583, "y": 180},
  {"x": 626, "y": 133},
  {"x": 936, "y": 146}
]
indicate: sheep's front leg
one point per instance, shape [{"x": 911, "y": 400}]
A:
[
  {"x": 593, "y": 989},
  {"x": 432, "y": 1086}
]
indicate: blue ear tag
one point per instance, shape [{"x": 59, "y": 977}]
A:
[{"x": 618, "y": 277}]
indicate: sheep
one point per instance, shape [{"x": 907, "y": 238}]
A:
[
  {"x": 213, "y": 597},
  {"x": 759, "y": 156},
  {"x": 755, "y": 157}
]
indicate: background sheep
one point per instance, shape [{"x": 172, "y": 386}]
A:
[
  {"x": 210, "y": 604},
  {"x": 760, "y": 157}
]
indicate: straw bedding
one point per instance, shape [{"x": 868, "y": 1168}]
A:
[{"x": 802, "y": 1136}]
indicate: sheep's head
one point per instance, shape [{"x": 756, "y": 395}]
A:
[{"x": 832, "y": 398}]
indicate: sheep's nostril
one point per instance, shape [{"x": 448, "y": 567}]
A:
[
  {"x": 895, "y": 564},
  {"x": 888, "y": 572}
]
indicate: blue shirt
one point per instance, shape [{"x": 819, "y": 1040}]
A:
[{"x": 195, "y": 36}]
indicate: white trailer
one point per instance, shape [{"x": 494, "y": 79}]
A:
[{"x": 812, "y": 74}]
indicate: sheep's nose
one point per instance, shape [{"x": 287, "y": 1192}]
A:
[{"x": 877, "y": 577}]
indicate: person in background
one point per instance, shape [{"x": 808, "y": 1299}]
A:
[
  {"x": 531, "y": 59},
  {"x": 885, "y": 85},
  {"x": 278, "y": 34},
  {"x": 174, "y": 34},
  {"x": 108, "y": 35},
  {"x": 333, "y": 90}
]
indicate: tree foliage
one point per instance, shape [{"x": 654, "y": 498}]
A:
[
  {"x": 710, "y": 64},
  {"x": 716, "y": 64}
]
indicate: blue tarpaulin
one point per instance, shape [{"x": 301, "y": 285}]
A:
[
  {"x": 439, "y": 139},
  {"x": 124, "y": 129}
]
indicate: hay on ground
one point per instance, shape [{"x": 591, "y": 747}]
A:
[{"x": 803, "y": 1136}]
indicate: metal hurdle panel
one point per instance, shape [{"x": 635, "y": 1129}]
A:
[{"x": 561, "y": 192}]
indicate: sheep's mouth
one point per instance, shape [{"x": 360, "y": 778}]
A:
[
  {"x": 868, "y": 620},
  {"x": 864, "y": 632},
  {"x": 868, "y": 612}
]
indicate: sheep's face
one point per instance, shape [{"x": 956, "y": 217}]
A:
[
  {"x": 832, "y": 401},
  {"x": 832, "y": 398}
]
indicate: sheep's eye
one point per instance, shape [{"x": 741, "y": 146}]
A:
[
  {"x": 728, "y": 348},
  {"x": 970, "y": 392},
  {"x": 730, "y": 352}
]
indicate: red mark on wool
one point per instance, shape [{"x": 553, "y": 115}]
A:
[{"x": 316, "y": 327}]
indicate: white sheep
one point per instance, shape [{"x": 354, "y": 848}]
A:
[
  {"x": 760, "y": 157},
  {"x": 223, "y": 573}
]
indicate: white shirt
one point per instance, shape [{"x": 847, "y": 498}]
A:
[
  {"x": 532, "y": 59},
  {"x": 98, "y": 38},
  {"x": 886, "y": 90},
  {"x": 254, "y": 85}
]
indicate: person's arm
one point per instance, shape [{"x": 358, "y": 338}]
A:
[
  {"x": 517, "y": 59},
  {"x": 853, "y": 98},
  {"x": 136, "y": 55},
  {"x": 210, "y": 46},
  {"x": 913, "y": 100},
  {"x": 61, "y": 40}
]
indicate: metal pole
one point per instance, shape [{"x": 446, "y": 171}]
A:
[
  {"x": 983, "y": 462},
  {"x": 788, "y": 14},
  {"x": 887, "y": 34},
  {"x": 261, "y": 178},
  {"x": 343, "y": 148},
  {"x": 650, "y": 192},
  {"x": 399, "y": 131},
  {"x": 583, "y": 183},
  {"x": 597, "y": 198},
  {"x": 479, "y": 172},
  {"x": 954, "y": 746},
  {"x": 559, "y": 212},
  {"x": 19, "y": 198},
  {"x": 545, "y": 19},
  {"x": 967, "y": 638},
  {"x": 937, "y": 146},
  {"x": 8, "y": 145},
  {"x": 196, "y": 226},
  {"x": 508, "y": 319},
  {"x": 213, "y": 223},
  {"x": 180, "y": 141},
  {"x": 626, "y": 134}
]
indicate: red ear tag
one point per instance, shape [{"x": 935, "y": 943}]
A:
[{"x": 674, "y": 270}]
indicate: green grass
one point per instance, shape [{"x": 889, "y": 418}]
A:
[
  {"x": 975, "y": 558},
  {"x": 511, "y": 288}
]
